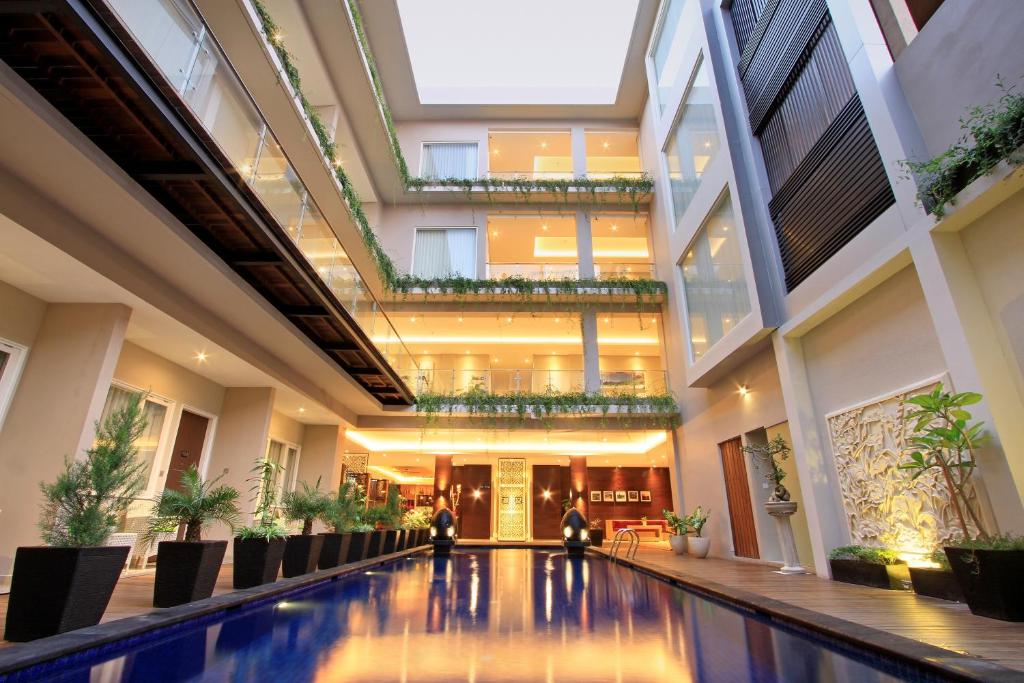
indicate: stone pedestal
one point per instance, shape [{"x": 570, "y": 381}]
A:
[{"x": 781, "y": 511}]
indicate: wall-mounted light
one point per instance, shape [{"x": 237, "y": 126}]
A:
[
  {"x": 477, "y": 493},
  {"x": 744, "y": 390},
  {"x": 546, "y": 493}
]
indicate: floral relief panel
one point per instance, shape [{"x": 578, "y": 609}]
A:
[{"x": 883, "y": 505}]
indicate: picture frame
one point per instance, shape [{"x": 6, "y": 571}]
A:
[
  {"x": 595, "y": 496},
  {"x": 620, "y": 496},
  {"x": 608, "y": 496},
  {"x": 633, "y": 496},
  {"x": 645, "y": 496}
]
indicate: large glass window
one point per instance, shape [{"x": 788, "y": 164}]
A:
[
  {"x": 682, "y": 19},
  {"x": 692, "y": 144},
  {"x": 612, "y": 153},
  {"x": 716, "y": 289},
  {"x": 148, "y": 444},
  {"x": 449, "y": 160},
  {"x": 441, "y": 252},
  {"x": 536, "y": 154},
  {"x": 286, "y": 457},
  {"x": 168, "y": 28}
]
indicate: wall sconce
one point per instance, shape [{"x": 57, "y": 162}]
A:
[
  {"x": 547, "y": 494},
  {"x": 744, "y": 390},
  {"x": 477, "y": 493}
]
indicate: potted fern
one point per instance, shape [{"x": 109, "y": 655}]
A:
[
  {"x": 187, "y": 570},
  {"x": 698, "y": 546},
  {"x": 341, "y": 514},
  {"x": 67, "y": 584},
  {"x": 679, "y": 528},
  {"x": 302, "y": 551},
  {"x": 259, "y": 548}
]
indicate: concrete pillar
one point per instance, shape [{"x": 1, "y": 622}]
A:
[
  {"x": 579, "y": 151},
  {"x": 323, "y": 448},
  {"x": 591, "y": 352},
  {"x": 442, "y": 481},
  {"x": 578, "y": 481},
  {"x": 584, "y": 245},
  {"x": 242, "y": 433},
  {"x": 976, "y": 362},
  {"x": 58, "y": 399}
]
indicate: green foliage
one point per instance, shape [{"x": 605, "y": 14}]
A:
[
  {"x": 996, "y": 130},
  {"x": 344, "y": 512},
  {"x": 581, "y": 190},
  {"x": 678, "y": 524},
  {"x": 943, "y": 438},
  {"x": 305, "y": 505},
  {"x": 265, "y": 496},
  {"x": 417, "y": 518},
  {"x": 939, "y": 557},
  {"x": 378, "y": 515},
  {"x": 993, "y": 542},
  {"x": 661, "y": 410},
  {"x": 388, "y": 515},
  {"x": 197, "y": 503},
  {"x": 266, "y": 532},
  {"x": 697, "y": 519},
  {"x": 362, "y": 528},
  {"x": 772, "y": 453},
  {"x": 81, "y": 507},
  {"x": 865, "y": 554}
]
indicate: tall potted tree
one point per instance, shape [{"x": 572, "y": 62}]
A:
[
  {"x": 302, "y": 551},
  {"x": 944, "y": 439},
  {"x": 259, "y": 548},
  {"x": 67, "y": 584},
  {"x": 187, "y": 570}
]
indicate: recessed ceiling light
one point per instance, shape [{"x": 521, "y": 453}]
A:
[
  {"x": 494, "y": 233},
  {"x": 543, "y": 145},
  {"x": 605, "y": 144},
  {"x": 301, "y": 409},
  {"x": 544, "y": 227},
  {"x": 614, "y": 228},
  {"x": 201, "y": 356}
]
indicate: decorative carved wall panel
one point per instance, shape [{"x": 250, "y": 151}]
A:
[
  {"x": 511, "y": 499},
  {"x": 884, "y": 506}
]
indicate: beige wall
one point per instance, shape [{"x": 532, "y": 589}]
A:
[
  {"x": 22, "y": 315},
  {"x": 284, "y": 428},
  {"x": 321, "y": 458},
  {"x": 396, "y": 228},
  {"x": 147, "y": 371},
  {"x": 60, "y": 396}
]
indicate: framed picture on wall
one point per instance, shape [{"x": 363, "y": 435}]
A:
[
  {"x": 634, "y": 496},
  {"x": 595, "y": 496},
  {"x": 620, "y": 496},
  {"x": 608, "y": 496},
  {"x": 645, "y": 496}
]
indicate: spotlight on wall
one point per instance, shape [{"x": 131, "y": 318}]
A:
[
  {"x": 744, "y": 390},
  {"x": 546, "y": 493},
  {"x": 477, "y": 493}
]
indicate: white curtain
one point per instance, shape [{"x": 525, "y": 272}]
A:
[
  {"x": 441, "y": 252},
  {"x": 149, "y": 443},
  {"x": 449, "y": 160}
]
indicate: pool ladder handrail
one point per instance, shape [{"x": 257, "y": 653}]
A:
[{"x": 620, "y": 536}]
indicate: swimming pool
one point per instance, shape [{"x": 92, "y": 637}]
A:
[{"x": 479, "y": 615}]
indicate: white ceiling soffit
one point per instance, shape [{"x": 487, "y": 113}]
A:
[{"x": 384, "y": 28}]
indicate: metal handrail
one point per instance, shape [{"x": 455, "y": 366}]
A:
[{"x": 620, "y": 536}]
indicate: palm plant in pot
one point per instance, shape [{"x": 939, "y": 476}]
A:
[
  {"x": 259, "y": 548},
  {"x": 302, "y": 551},
  {"x": 187, "y": 570},
  {"x": 867, "y": 566},
  {"x": 67, "y": 584},
  {"x": 698, "y": 546},
  {"x": 342, "y": 515},
  {"x": 944, "y": 441},
  {"x": 679, "y": 527}
]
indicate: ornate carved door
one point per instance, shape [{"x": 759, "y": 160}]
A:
[{"x": 511, "y": 499}]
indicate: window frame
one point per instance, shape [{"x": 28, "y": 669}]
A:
[
  {"x": 163, "y": 450},
  {"x": 291, "y": 479},
  {"x": 476, "y": 245},
  {"x": 423, "y": 155},
  {"x": 10, "y": 376}
]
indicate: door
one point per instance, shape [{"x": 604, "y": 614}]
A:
[
  {"x": 550, "y": 487},
  {"x": 737, "y": 490},
  {"x": 188, "y": 447},
  {"x": 512, "y": 499}
]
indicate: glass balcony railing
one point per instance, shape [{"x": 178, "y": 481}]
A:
[
  {"x": 530, "y": 380},
  {"x": 625, "y": 271},
  {"x": 558, "y": 271},
  {"x": 177, "y": 41}
]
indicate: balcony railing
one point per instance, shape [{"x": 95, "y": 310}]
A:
[
  {"x": 178, "y": 43},
  {"x": 558, "y": 271},
  {"x": 530, "y": 380}
]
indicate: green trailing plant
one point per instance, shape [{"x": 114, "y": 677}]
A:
[
  {"x": 944, "y": 439},
  {"x": 864, "y": 553},
  {"x": 344, "y": 512},
  {"x": 81, "y": 507},
  {"x": 993, "y": 132},
  {"x": 266, "y": 526},
  {"x": 306, "y": 504},
  {"x": 417, "y": 518},
  {"x": 678, "y": 525},
  {"x": 697, "y": 519},
  {"x": 195, "y": 504},
  {"x": 581, "y": 190}
]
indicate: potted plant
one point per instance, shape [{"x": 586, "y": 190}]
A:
[
  {"x": 341, "y": 514},
  {"x": 361, "y": 536},
  {"x": 698, "y": 546},
  {"x": 259, "y": 548},
  {"x": 417, "y": 521},
  {"x": 938, "y": 580},
  {"x": 67, "y": 584},
  {"x": 596, "y": 532},
  {"x": 679, "y": 526},
  {"x": 187, "y": 570},
  {"x": 771, "y": 455},
  {"x": 302, "y": 550},
  {"x": 988, "y": 568},
  {"x": 867, "y": 566}
]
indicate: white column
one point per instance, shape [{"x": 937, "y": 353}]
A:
[
  {"x": 781, "y": 512},
  {"x": 584, "y": 244},
  {"x": 591, "y": 362},
  {"x": 579, "y": 151}
]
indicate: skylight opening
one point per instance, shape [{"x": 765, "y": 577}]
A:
[{"x": 522, "y": 52}]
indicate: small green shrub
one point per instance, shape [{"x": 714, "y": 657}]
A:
[
  {"x": 865, "y": 553},
  {"x": 306, "y": 505},
  {"x": 344, "y": 512},
  {"x": 697, "y": 519},
  {"x": 195, "y": 504},
  {"x": 675, "y": 522},
  {"x": 994, "y": 542},
  {"x": 417, "y": 518}
]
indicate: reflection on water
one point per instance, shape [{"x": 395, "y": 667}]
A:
[{"x": 504, "y": 615}]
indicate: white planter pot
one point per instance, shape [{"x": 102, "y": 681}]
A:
[
  {"x": 699, "y": 546},
  {"x": 678, "y": 544}
]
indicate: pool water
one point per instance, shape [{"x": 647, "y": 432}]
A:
[{"x": 481, "y": 615}]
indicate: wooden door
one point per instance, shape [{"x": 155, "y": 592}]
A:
[
  {"x": 737, "y": 490},
  {"x": 188, "y": 447},
  {"x": 550, "y": 487}
]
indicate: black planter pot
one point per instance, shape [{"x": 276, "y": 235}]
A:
[
  {"x": 403, "y": 540},
  {"x": 936, "y": 583},
  {"x": 374, "y": 543},
  {"x": 421, "y": 537},
  {"x": 257, "y": 561},
  {"x": 54, "y": 590},
  {"x": 301, "y": 554},
  {"x": 334, "y": 551},
  {"x": 186, "y": 572},
  {"x": 891, "y": 576},
  {"x": 390, "y": 541},
  {"x": 359, "y": 543},
  {"x": 990, "y": 580},
  {"x": 596, "y": 537}
]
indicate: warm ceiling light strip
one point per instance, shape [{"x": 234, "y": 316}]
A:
[
  {"x": 429, "y": 339},
  {"x": 415, "y": 444},
  {"x": 398, "y": 476}
]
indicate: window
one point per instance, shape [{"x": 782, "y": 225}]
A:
[
  {"x": 442, "y": 252},
  {"x": 678, "y": 29},
  {"x": 535, "y": 154},
  {"x": 149, "y": 443},
  {"x": 716, "y": 289},
  {"x": 612, "y": 153},
  {"x": 12, "y": 357},
  {"x": 286, "y": 457},
  {"x": 692, "y": 143},
  {"x": 449, "y": 160}
]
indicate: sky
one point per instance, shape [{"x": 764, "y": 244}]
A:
[{"x": 517, "y": 51}]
